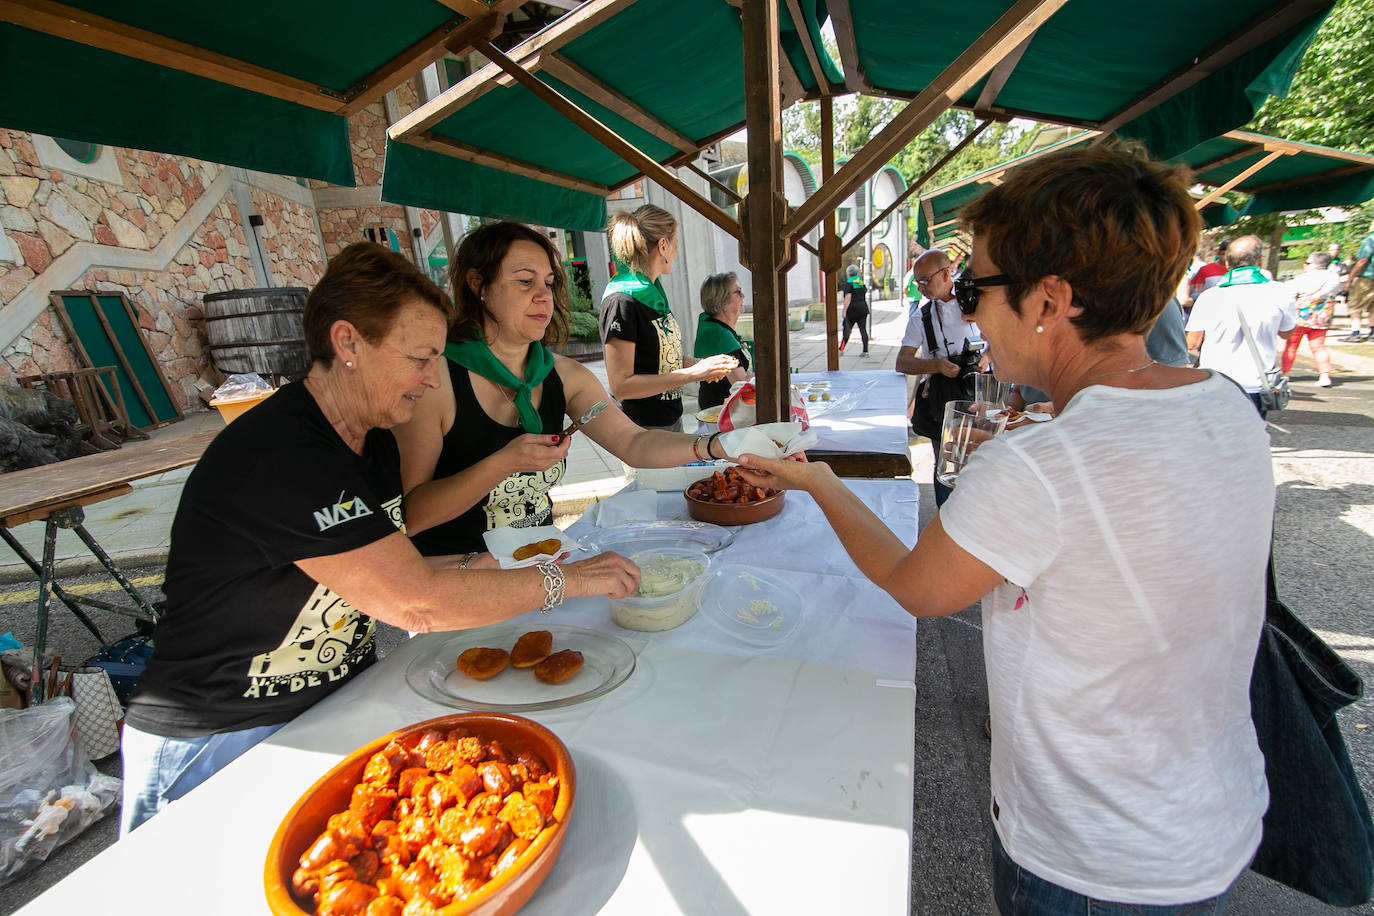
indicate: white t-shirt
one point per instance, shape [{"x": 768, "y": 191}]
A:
[
  {"x": 1268, "y": 309},
  {"x": 1119, "y": 650},
  {"x": 951, "y": 330}
]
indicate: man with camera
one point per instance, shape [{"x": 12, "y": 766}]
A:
[{"x": 940, "y": 346}]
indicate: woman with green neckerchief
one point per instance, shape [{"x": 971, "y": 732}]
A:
[
  {"x": 722, "y": 301},
  {"x": 484, "y": 449},
  {"x": 642, "y": 340}
]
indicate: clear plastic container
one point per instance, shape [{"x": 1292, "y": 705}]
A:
[
  {"x": 756, "y": 607},
  {"x": 680, "y": 569}
]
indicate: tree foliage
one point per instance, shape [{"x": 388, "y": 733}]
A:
[{"x": 1330, "y": 100}]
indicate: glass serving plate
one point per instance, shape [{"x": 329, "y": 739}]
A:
[
  {"x": 755, "y": 607},
  {"x": 607, "y": 662},
  {"x": 633, "y": 537}
]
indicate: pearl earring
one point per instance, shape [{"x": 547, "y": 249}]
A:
[
  {"x": 349, "y": 364},
  {"x": 1039, "y": 329}
]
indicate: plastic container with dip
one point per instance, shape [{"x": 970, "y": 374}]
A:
[{"x": 667, "y": 597}]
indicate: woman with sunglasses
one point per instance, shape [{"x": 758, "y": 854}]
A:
[{"x": 1124, "y": 768}]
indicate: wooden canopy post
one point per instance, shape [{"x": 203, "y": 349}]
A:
[
  {"x": 762, "y": 250},
  {"x": 830, "y": 242}
]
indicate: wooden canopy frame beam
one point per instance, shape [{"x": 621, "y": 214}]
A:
[
  {"x": 1240, "y": 176},
  {"x": 78, "y": 25},
  {"x": 918, "y": 183},
  {"x": 1342, "y": 172},
  {"x": 808, "y": 47},
  {"x": 842, "y": 21},
  {"x": 1273, "y": 22},
  {"x": 480, "y": 82},
  {"x": 560, "y": 68},
  {"x": 438, "y": 143},
  {"x": 997, "y": 79},
  {"x": 718, "y": 185},
  {"x": 608, "y": 138},
  {"x": 1298, "y": 146},
  {"x": 1228, "y": 159},
  {"x": 1000, "y": 40}
]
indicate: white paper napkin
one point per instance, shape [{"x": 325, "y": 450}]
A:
[
  {"x": 630, "y": 506},
  {"x": 503, "y": 542},
  {"x": 762, "y": 440}
]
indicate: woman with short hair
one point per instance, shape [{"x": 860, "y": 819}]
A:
[
  {"x": 642, "y": 340},
  {"x": 1125, "y": 768},
  {"x": 722, "y": 302},
  {"x": 855, "y": 306},
  {"x": 290, "y": 540}
]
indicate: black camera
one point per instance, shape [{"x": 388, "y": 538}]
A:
[{"x": 968, "y": 358}]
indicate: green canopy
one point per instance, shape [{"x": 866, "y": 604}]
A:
[
  {"x": 667, "y": 76},
  {"x": 261, "y": 85},
  {"x": 1296, "y": 176}
]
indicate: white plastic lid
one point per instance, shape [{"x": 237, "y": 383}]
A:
[{"x": 755, "y": 607}]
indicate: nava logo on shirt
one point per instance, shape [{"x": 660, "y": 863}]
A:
[{"x": 342, "y": 511}]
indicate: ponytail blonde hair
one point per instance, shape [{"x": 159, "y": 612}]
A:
[{"x": 635, "y": 236}]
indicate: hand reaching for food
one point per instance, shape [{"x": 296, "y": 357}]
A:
[
  {"x": 607, "y": 574},
  {"x": 531, "y": 452},
  {"x": 781, "y": 473},
  {"x": 712, "y": 368}
]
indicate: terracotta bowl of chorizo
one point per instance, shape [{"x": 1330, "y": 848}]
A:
[
  {"x": 466, "y": 812},
  {"x": 725, "y": 499}
]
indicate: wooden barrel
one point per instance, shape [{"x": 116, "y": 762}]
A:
[{"x": 257, "y": 330}]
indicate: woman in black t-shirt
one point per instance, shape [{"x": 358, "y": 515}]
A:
[
  {"x": 642, "y": 340},
  {"x": 486, "y": 448},
  {"x": 290, "y": 539},
  {"x": 722, "y": 301}
]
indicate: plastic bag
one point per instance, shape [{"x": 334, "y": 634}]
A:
[
  {"x": 739, "y": 412},
  {"x": 239, "y": 387},
  {"x": 49, "y": 791}
]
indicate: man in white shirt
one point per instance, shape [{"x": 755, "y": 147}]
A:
[
  {"x": 935, "y": 334},
  {"x": 1215, "y": 323}
]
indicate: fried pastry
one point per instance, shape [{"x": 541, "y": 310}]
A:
[
  {"x": 559, "y": 666},
  {"x": 549, "y": 546},
  {"x": 482, "y": 663},
  {"x": 531, "y": 649}
]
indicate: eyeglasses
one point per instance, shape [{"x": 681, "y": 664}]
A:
[
  {"x": 922, "y": 281},
  {"x": 966, "y": 289}
]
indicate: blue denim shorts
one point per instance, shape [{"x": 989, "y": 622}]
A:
[
  {"x": 158, "y": 770},
  {"x": 1018, "y": 892}
]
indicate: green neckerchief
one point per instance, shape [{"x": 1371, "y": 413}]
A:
[
  {"x": 1243, "y": 276},
  {"x": 477, "y": 356},
  {"x": 714, "y": 338},
  {"x": 638, "y": 287},
  {"x": 855, "y": 282}
]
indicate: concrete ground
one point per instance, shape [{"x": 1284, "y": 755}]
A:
[{"x": 1323, "y": 451}]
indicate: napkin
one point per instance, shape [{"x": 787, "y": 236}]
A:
[
  {"x": 503, "y": 542},
  {"x": 631, "y": 506},
  {"x": 763, "y": 440}
]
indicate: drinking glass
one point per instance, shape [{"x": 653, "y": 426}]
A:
[
  {"x": 968, "y": 424},
  {"x": 989, "y": 390}
]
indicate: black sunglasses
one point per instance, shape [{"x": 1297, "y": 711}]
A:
[{"x": 966, "y": 290}]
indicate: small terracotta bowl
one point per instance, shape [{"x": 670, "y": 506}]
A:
[
  {"x": 733, "y": 513},
  {"x": 331, "y": 793}
]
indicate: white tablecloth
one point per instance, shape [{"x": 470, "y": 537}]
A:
[
  {"x": 714, "y": 780},
  {"x": 871, "y": 416}
]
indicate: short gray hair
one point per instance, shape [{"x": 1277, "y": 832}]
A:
[
  {"x": 1245, "y": 251},
  {"x": 716, "y": 292},
  {"x": 1319, "y": 259},
  {"x": 852, "y": 270}
]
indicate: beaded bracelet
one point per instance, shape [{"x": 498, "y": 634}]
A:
[
  {"x": 696, "y": 448},
  {"x": 553, "y": 586}
]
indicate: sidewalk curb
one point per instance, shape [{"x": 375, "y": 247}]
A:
[{"x": 126, "y": 560}]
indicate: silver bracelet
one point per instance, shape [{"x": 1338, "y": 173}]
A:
[
  {"x": 553, "y": 586},
  {"x": 468, "y": 558}
]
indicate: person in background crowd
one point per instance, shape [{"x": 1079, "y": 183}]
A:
[
  {"x": 722, "y": 302},
  {"x": 1313, "y": 293},
  {"x": 855, "y": 307},
  {"x": 1214, "y": 327},
  {"x": 1206, "y": 276},
  {"x": 1125, "y": 772},
  {"x": 1359, "y": 289},
  {"x": 644, "y": 365},
  {"x": 290, "y": 540},
  {"x": 935, "y": 335},
  {"x": 913, "y": 291},
  {"x": 485, "y": 449}
]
